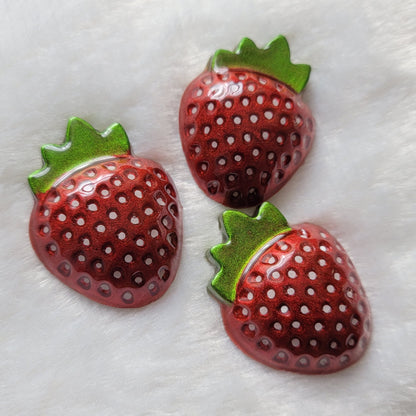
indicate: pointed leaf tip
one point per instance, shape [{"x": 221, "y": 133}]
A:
[
  {"x": 273, "y": 60},
  {"x": 246, "y": 235},
  {"x": 82, "y": 143}
]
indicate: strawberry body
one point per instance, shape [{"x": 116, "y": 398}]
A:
[
  {"x": 244, "y": 132},
  {"x": 111, "y": 229},
  {"x": 298, "y": 303}
]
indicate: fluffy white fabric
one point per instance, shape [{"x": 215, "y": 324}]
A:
[{"x": 129, "y": 61}]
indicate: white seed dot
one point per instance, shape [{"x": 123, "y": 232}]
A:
[
  {"x": 128, "y": 258},
  {"x": 327, "y": 308},
  {"x": 220, "y": 121},
  {"x": 307, "y": 248},
  {"x": 298, "y": 259},
  {"x": 322, "y": 262},
  {"x": 275, "y": 274},
  {"x": 318, "y": 326},
  {"x": 330, "y": 289},
  {"x": 283, "y": 121},
  {"x": 263, "y": 310},
  {"x": 112, "y": 215},
  {"x": 140, "y": 242},
  {"x": 292, "y": 274},
  {"x": 253, "y": 118},
  {"x": 62, "y": 217},
  {"x": 304, "y": 309},
  {"x": 230, "y": 140},
  {"x": 290, "y": 291},
  {"x": 134, "y": 219},
  {"x": 271, "y": 293},
  {"x": 339, "y": 326},
  {"x": 296, "y": 324},
  {"x": 342, "y": 307},
  {"x": 237, "y": 120},
  {"x": 284, "y": 309},
  {"x": 148, "y": 261},
  {"x": 121, "y": 235},
  {"x": 277, "y": 326},
  {"x": 310, "y": 291},
  {"x": 312, "y": 275},
  {"x": 295, "y": 342},
  {"x": 268, "y": 115},
  {"x": 148, "y": 211}
]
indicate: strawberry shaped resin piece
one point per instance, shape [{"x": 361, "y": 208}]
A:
[
  {"x": 105, "y": 222},
  {"x": 290, "y": 296},
  {"x": 244, "y": 127}
]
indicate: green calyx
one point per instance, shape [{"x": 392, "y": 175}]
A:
[
  {"x": 246, "y": 235},
  {"x": 82, "y": 144},
  {"x": 273, "y": 60}
]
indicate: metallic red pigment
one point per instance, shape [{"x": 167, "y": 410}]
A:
[
  {"x": 111, "y": 230},
  {"x": 300, "y": 305},
  {"x": 244, "y": 135}
]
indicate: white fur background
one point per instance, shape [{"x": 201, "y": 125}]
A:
[{"x": 129, "y": 61}]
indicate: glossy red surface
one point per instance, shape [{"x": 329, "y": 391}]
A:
[
  {"x": 112, "y": 231},
  {"x": 300, "y": 305},
  {"x": 243, "y": 134}
]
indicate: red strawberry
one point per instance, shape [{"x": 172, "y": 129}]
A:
[
  {"x": 244, "y": 127},
  {"x": 106, "y": 223},
  {"x": 291, "y": 298}
]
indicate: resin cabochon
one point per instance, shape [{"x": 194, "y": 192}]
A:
[{"x": 129, "y": 62}]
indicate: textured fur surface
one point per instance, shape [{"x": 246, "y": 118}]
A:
[{"x": 129, "y": 61}]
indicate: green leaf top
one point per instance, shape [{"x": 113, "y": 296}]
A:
[
  {"x": 273, "y": 60},
  {"x": 82, "y": 144},
  {"x": 246, "y": 235}
]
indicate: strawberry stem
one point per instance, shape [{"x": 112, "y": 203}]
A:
[
  {"x": 273, "y": 60},
  {"x": 82, "y": 144},
  {"x": 246, "y": 235}
]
